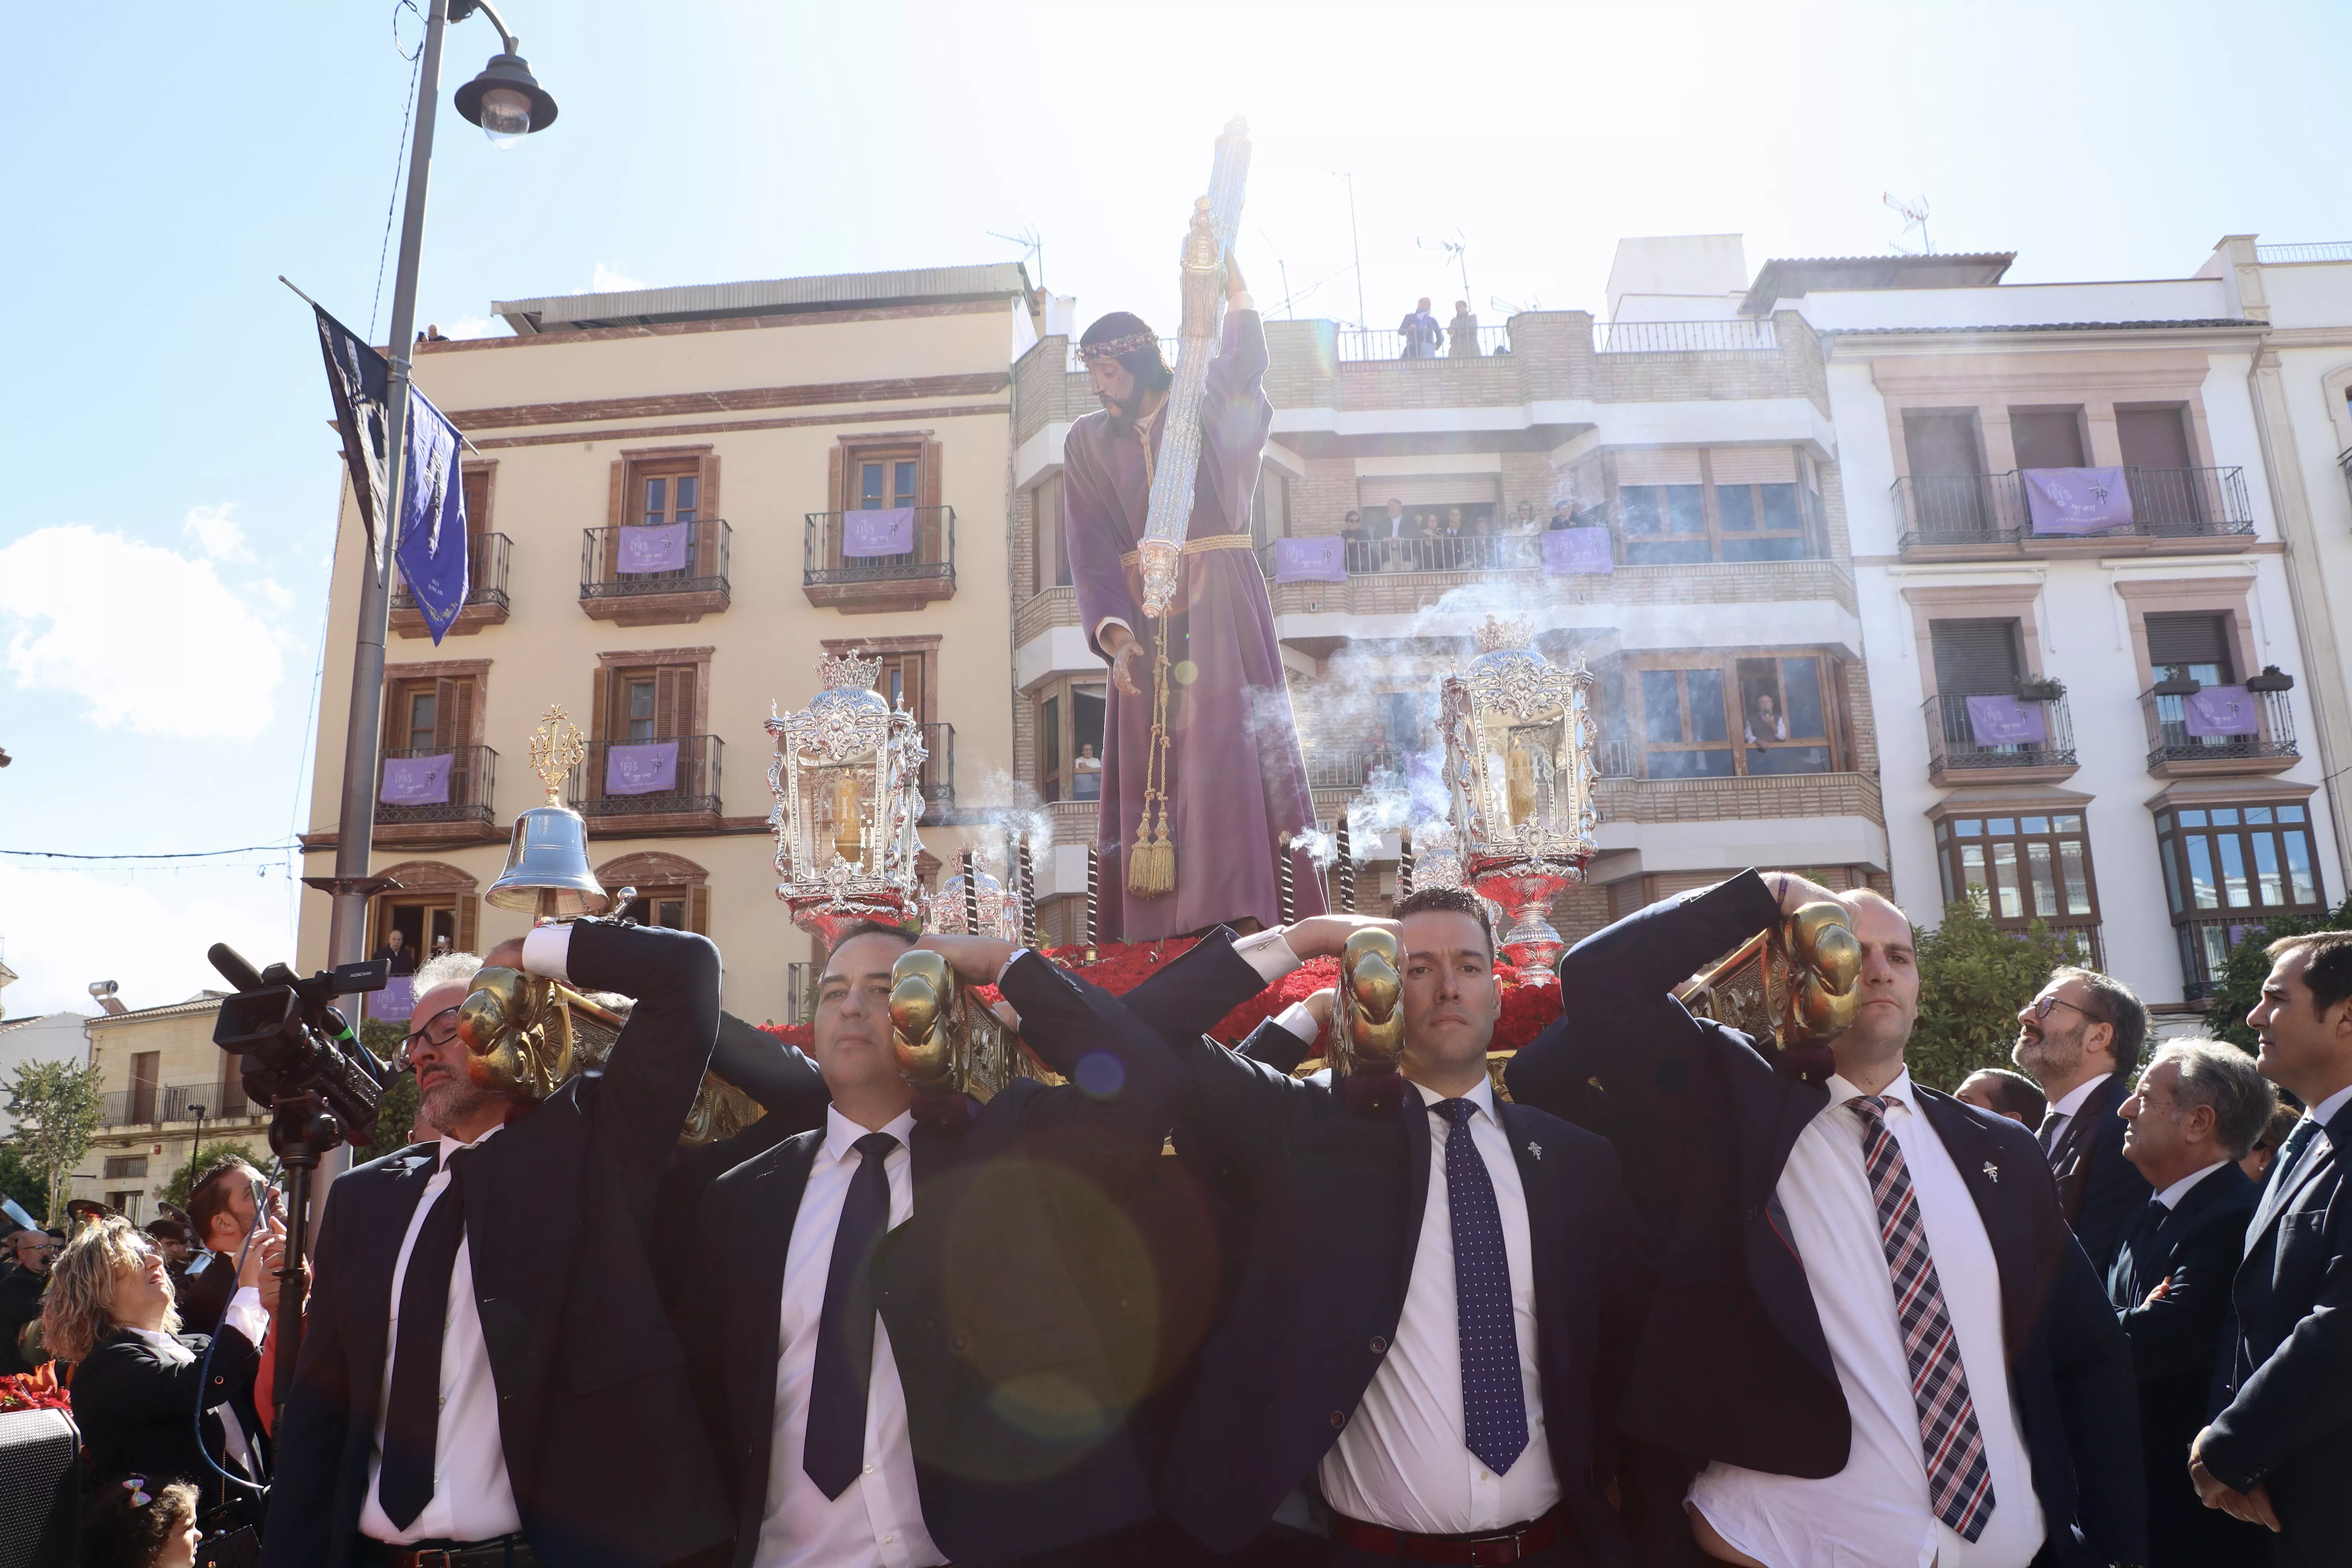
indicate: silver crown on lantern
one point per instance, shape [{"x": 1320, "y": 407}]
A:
[
  {"x": 847, "y": 778},
  {"x": 1519, "y": 766}
]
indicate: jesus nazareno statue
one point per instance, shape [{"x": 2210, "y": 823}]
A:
[{"x": 1234, "y": 781}]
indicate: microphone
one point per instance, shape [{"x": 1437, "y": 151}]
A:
[{"x": 233, "y": 968}]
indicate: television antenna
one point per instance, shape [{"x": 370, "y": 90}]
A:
[
  {"x": 1457, "y": 250},
  {"x": 1915, "y": 215},
  {"x": 1032, "y": 244},
  {"x": 1512, "y": 306}
]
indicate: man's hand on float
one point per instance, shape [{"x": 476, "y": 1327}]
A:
[
  {"x": 1322, "y": 1004},
  {"x": 1322, "y": 936},
  {"x": 507, "y": 954},
  {"x": 976, "y": 959},
  {"x": 1126, "y": 650},
  {"x": 2253, "y": 1506},
  {"x": 1795, "y": 892}
]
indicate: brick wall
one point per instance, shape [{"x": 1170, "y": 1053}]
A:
[{"x": 1740, "y": 799}]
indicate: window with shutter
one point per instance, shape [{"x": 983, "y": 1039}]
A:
[
  {"x": 2047, "y": 438},
  {"x": 2197, "y": 646},
  {"x": 2154, "y": 437},
  {"x": 1976, "y": 658},
  {"x": 1942, "y": 443}
]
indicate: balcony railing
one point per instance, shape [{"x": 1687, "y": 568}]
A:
[
  {"x": 1946, "y": 510},
  {"x": 621, "y": 564},
  {"x": 1734, "y": 337},
  {"x": 652, "y": 777},
  {"x": 148, "y": 1104},
  {"x": 2171, "y": 740},
  {"x": 410, "y": 789},
  {"x": 2323, "y": 250},
  {"x": 1953, "y": 743},
  {"x": 1348, "y": 767},
  {"x": 486, "y": 574},
  {"x": 853, "y": 561},
  {"x": 938, "y": 764},
  {"x": 1462, "y": 553},
  {"x": 2205, "y": 947},
  {"x": 1377, "y": 344}
]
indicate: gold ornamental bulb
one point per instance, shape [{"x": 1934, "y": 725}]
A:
[{"x": 557, "y": 747}]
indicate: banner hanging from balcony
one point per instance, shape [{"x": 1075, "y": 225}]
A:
[
  {"x": 1569, "y": 550},
  {"x": 2006, "y": 722},
  {"x": 650, "y": 768},
  {"x": 2078, "y": 501},
  {"x": 2221, "y": 711},
  {"x": 1323, "y": 559},
  {"x": 645, "y": 550},
  {"x": 417, "y": 781},
  {"x": 889, "y": 530},
  {"x": 397, "y": 1001}
]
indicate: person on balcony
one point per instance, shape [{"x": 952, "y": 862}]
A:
[
  {"x": 1462, "y": 332},
  {"x": 1422, "y": 332}
]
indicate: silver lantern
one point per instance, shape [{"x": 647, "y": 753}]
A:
[
  {"x": 847, "y": 778},
  {"x": 1519, "y": 763}
]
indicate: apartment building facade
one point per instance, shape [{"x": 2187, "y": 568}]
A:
[
  {"x": 1711, "y": 592},
  {"x": 163, "y": 1086},
  {"x": 2089, "y": 649},
  {"x": 673, "y": 497}
]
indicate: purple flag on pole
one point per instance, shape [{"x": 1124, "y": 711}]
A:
[
  {"x": 417, "y": 781},
  {"x": 1323, "y": 559},
  {"x": 888, "y": 531},
  {"x": 1573, "y": 550},
  {"x": 432, "y": 539},
  {"x": 2078, "y": 501},
  {"x": 2006, "y": 722},
  {"x": 647, "y": 769},
  {"x": 647, "y": 550},
  {"x": 2221, "y": 711}
]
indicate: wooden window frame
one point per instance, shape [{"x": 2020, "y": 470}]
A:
[
  {"x": 926, "y": 646},
  {"x": 2174, "y": 828},
  {"x": 929, "y": 455},
  {"x": 659, "y": 876},
  {"x": 1829, "y": 671},
  {"x": 692, "y": 671},
  {"x": 1056, "y": 778},
  {"x": 430, "y": 882},
  {"x": 624, "y": 504},
  {"x": 2016, "y": 832},
  {"x": 1049, "y": 545}
]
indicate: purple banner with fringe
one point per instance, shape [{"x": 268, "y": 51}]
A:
[
  {"x": 888, "y": 531},
  {"x": 648, "y": 768},
  {"x": 2078, "y": 501},
  {"x": 1567, "y": 551},
  {"x": 2006, "y": 722},
  {"x": 2221, "y": 711},
  {"x": 417, "y": 781},
  {"x": 644, "y": 550},
  {"x": 1323, "y": 559}
]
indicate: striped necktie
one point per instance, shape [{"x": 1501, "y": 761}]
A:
[{"x": 1959, "y": 1480}]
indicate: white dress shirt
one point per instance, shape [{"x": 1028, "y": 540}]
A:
[
  {"x": 1401, "y": 1461},
  {"x": 2170, "y": 1197},
  {"x": 2064, "y": 1108},
  {"x": 472, "y": 1497},
  {"x": 2325, "y": 1111},
  {"x": 1874, "y": 1514},
  {"x": 878, "y": 1520}
]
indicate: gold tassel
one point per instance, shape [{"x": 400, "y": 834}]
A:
[{"x": 1151, "y": 869}]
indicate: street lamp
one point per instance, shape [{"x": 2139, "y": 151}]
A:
[{"x": 507, "y": 101}]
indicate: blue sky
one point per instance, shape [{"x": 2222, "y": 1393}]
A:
[{"x": 171, "y": 480}]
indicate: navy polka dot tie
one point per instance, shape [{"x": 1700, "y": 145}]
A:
[{"x": 1493, "y": 1405}]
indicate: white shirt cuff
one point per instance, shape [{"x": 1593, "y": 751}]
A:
[
  {"x": 1106, "y": 623},
  {"x": 546, "y": 951},
  {"x": 1268, "y": 952},
  {"x": 1241, "y": 301},
  {"x": 1008, "y": 965},
  {"x": 1300, "y": 1022},
  {"x": 244, "y": 1313}
]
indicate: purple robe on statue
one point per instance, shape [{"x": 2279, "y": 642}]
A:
[{"x": 1237, "y": 782}]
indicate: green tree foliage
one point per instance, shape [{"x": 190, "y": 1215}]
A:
[
  {"x": 2241, "y": 984},
  {"x": 21, "y": 1182},
  {"x": 57, "y": 1106},
  {"x": 1973, "y": 977},
  {"x": 398, "y": 1112},
  {"x": 203, "y": 1158}
]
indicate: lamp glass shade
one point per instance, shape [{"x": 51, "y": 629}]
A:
[{"x": 506, "y": 116}]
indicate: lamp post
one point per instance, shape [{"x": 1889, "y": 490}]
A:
[
  {"x": 507, "y": 103},
  {"x": 196, "y": 1154}
]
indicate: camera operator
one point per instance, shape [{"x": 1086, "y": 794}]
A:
[
  {"x": 221, "y": 1208},
  {"x": 484, "y": 1379}
]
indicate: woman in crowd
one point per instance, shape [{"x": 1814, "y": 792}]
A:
[{"x": 138, "y": 1382}]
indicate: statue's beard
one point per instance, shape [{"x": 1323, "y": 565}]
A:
[{"x": 1122, "y": 415}]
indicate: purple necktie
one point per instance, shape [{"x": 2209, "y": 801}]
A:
[
  {"x": 1494, "y": 1404},
  {"x": 1959, "y": 1481}
]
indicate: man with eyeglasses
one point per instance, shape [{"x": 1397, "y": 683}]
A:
[
  {"x": 486, "y": 1381},
  {"x": 2079, "y": 1038},
  {"x": 25, "y": 1276}
]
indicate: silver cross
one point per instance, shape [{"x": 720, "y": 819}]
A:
[
  {"x": 1992, "y": 1172},
  {"x": 1536, "y": 1150}
]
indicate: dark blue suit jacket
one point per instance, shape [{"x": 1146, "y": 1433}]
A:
[
  {"x": 1000, "y": 1282},
  {"x": 1333, "y": 1200},
  {"x": 2191, "y": 1251},
  {"x": 2099, "y": 1190},
  {"x": 603, "y": 1443},
  {"x": 1733, "y": 1364},
  {"x": 2288, "y": 1420}
]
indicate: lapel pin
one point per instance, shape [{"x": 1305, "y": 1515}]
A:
[
  {"x": 1535, "y": 1150},
  {"x": 1992, "y": 1172}
]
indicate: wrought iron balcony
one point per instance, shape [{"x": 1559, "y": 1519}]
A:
[
  {"x": 1959, "y": 743},
  {"x": 1377, "y": 344},
  {"x": 1691, "y": 338},
  {"x": 1956, "y": 512},
  {"x": 850, "y": 561},
  {"x": 660, "y": 775},
  {"x": 410, "y": 789},
  {"x": 938, "y": 764},
  {"x": 2205, "y": 946},
  {"x": 485, "y": 590},
  {"x": 629, "y": 576},
  {"x": 148, "y": 1104},
  {"x": 2176, "y": 748}
]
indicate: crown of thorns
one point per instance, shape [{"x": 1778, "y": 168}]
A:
[{"x": 1111, "y": 348}]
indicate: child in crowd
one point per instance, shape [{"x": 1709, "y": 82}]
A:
[{"x": 125, "y": 1525}]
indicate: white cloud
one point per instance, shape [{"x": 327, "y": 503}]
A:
[
  {"x": 144, "y": 635},
  {"x": 212, "y": 532},
  {"x": 147, "y": 929},
  {"x": 471, "y": 326},
  {"x": 609, "y": 281}
]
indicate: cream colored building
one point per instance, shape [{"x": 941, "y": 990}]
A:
[
  {"x": 161, "y": 1071},
  {"x": 656, "y": 502}
]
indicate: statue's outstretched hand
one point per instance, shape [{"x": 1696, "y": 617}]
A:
[{"x": 1125, "y": 659}]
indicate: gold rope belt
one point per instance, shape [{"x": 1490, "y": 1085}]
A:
[{"x": 1195, "y": 546}]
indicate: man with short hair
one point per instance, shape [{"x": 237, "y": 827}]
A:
[
  {"x": 2004, "y": 1093},
  {"x": 2278, "y": 1453},
  {"x": 1462, "y": 332},
  {"x": 1422, "y": 332},
  {"x": 2079, "y": 1038},
  {"x": 221, "y": 1209},
  {"x": 2199, "y": 1106},
  {"x": 486, "y": 1378},
  {"x": 1876, "y": 1335},
  {"x": 896, "y": 1323},
  {"x": 1394, "y": 526},
  {"x": 1439, "y": 1292},
  {"x": 23, "y": 1281}
]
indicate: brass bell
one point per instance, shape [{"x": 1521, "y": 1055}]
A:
[{"x": 547, "y": 871}]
